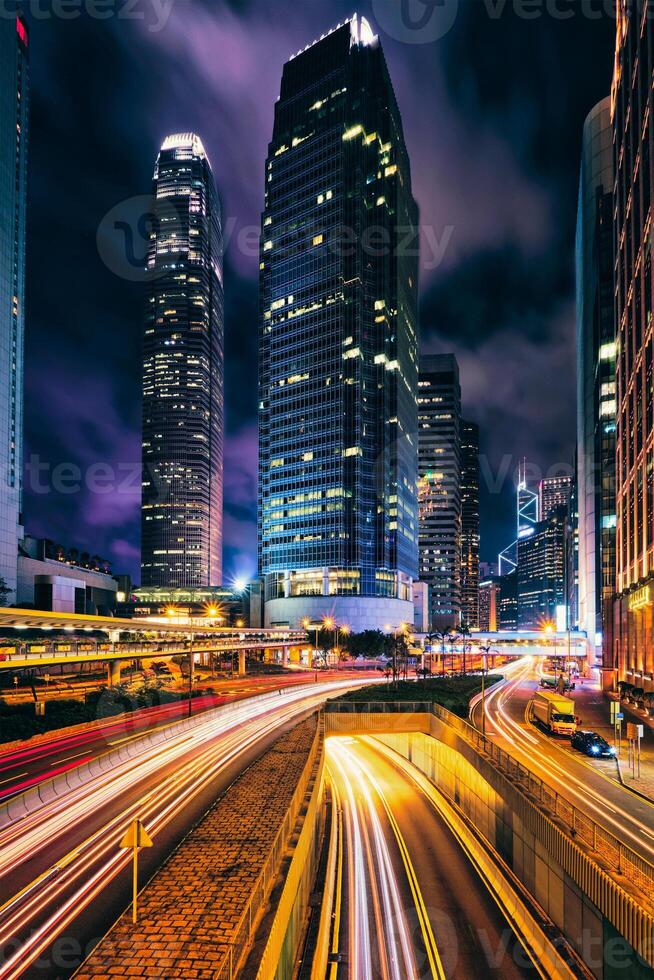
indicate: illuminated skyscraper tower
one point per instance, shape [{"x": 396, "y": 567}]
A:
[
  {"x": 183, "y": 374},
  {"x": 338, "y": 531},
  {"x": 14, "y": 101}
]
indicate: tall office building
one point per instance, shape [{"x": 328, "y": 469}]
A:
[
  {"x": 338, "y": 532},
  {"x": 469, "y": 523},
  {"x": 596, "y": 383},
  {"x": 489, "y": 600},
  {"x": 14, "y": 120},
  {"x": 439, "y": 488},
  {"x": 541, "y": 572},
  {"x": 553, "y": 492},
  {"x": 631, "y": 646},
  {"x": 183, "y": 374}
]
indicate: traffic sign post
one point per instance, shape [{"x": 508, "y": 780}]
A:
[{"x": 135, "y": 837}]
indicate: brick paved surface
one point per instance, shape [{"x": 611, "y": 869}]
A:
[{"x": 190, "y": 909}]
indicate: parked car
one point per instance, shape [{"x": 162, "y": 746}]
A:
[{"x": 591, "y": 744}]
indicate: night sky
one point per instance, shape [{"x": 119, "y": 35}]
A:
[{"x": 493, "y": 111}]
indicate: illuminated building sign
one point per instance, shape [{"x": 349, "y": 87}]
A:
[{"x": 639, "y": 599}]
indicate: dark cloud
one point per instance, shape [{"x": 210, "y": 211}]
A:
[{"x": 493, "y": 114}]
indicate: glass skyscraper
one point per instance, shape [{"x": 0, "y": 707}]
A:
[
  {"x": 596, "y": 381},
  {"x": 183, "y": 374},
  {"x": 14, "y": 109},
  {"x": 439, "y": 421},
  {"x": 338, "y": 531}
]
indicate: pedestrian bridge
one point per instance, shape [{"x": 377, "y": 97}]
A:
[
  {"x": 510, "y": 643},
  {"x": 108, "y": 638}
]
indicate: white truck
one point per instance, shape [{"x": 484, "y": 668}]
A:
[{"x": 554, "y": 712}]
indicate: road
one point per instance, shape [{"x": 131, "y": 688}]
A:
[
  {"x": 585, "y": 783},
  {"x": 408, "y": 903},
  {"x": 64, "y": 879},
  {"x": 35, "y": 761}
]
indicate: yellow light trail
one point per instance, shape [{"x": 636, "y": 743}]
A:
[{"x": 371, "y": 872}]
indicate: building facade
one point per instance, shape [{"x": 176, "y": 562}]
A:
[
  {"x": 338, "y": 528},
  {"x": 469, "y": 523},
  {"x": 541, "y": 572},
  {"x": 183, "y": 374},
  {"x": 14, "y": 131},
  {"x": 630, "y": 647},
  {"x": 553, "y": 492},
  {"x": 439, "y": 487},
  {"x": 508, "y": 601},
  {"x": 596, "y": 381},
  {"x": 489, "y": 602}
]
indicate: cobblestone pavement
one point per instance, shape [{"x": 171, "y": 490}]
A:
[{"x": 189, "y": 911}]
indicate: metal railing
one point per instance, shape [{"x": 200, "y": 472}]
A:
[
  {"x": 617, "y": 857},
  {"x": 243, "y": 936}
]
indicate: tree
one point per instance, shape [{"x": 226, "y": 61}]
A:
[
  {"x": 5, "y": 592},
  {"x": 439, "y": 636},
  {"x": 370, "y": 644},
  {"x": 465, "y": 632}
]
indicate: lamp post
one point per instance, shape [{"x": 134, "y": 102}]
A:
[
  {"x": 486, "y": 650},
  {"x": 308, "y": 625}
]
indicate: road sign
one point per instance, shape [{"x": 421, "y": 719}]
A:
[
  {"x": 136, "y": 837},
  {"x": 620, "y": 715},
  {"x": 614, "y": 707},
  {"x": 632, "y": 730}
]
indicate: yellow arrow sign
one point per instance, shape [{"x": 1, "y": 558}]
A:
[{"x": 136, "y": 836}]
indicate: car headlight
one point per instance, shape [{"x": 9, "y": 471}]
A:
[
  {"x": 594, "y": 749},
  {"x": 612, "y": 750}
]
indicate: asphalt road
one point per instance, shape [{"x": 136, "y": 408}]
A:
[
  {"x": 408, "y": 902},
  {"x": 589, "y": 784},
  {"x": 63, "y": 877},
  {"x": 35, "y": 761}
]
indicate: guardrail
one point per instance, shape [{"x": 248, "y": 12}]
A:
[
  {"x": 229, "y": 966},
  {"x": 619, "y": 857}
]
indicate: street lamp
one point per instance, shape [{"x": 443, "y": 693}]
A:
[
  {"x": 486, "y": 650},
  {"x": 343, "y": 630},
  {"x": 308, "y": 625}
]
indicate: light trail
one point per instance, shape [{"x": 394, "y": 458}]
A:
[
  {"x": 538, "y": 754},
  {"x": 189, "y": 764},
  {"x": 371, "y": 874}
]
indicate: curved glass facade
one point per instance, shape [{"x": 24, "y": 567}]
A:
[{"x": 183, "y": 374}]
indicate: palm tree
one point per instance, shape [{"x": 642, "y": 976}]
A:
[
  {"x": 439, "y": 636},
  {"x": 464, "y": 632}
]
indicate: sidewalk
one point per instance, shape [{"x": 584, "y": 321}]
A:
[{"x": 593, "y": 707}]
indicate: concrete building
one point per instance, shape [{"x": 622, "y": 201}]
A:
[
  {"x": 183, "y": 374},
  {"x": 629, "y": 652},
  {"x": 439, "y": 488},
  {"x": 596, "y": 380},
  {"x": 338, "y": 521},
  {"x": 14, "y": 133},
  {"x": 49, "y": 578}
]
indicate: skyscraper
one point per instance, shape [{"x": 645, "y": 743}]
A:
[
  {"x": 14, "y": 120},
  {"x": 596, "y": 383},
  {"x": 183, "y": 374},
  {"x": 439, "y": 488},
  {"x": 338, "y": 532},
  {"x": 553, "y": 492},
  {"x": 541, "y": 571},
  {"x": 470, "y": 523},
  {"x": 631, "y": 646}
]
